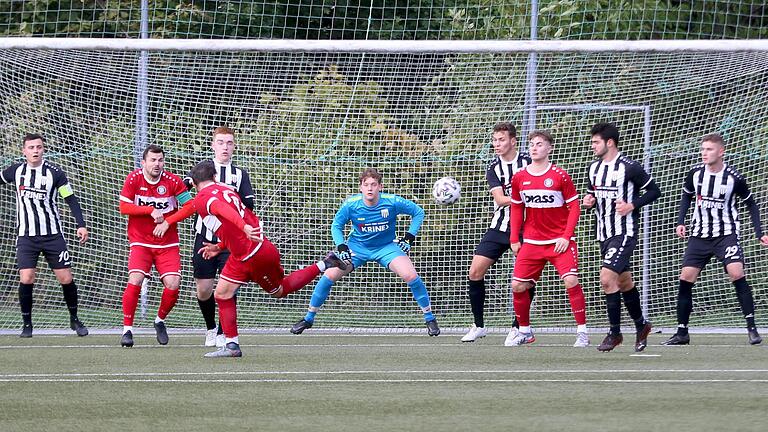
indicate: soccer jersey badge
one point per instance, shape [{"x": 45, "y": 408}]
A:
[
  {"x": 548, "y": 182},
  {"x": 161, "y": 190},
  {"x": 385, "y": 213}
]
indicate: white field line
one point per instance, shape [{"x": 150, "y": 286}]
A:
[
  {"x": 396, "y": 381},
  {"x": 360, "y": 345}
]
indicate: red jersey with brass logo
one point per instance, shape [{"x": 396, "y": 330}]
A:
[{"x": 162, "y": 195}]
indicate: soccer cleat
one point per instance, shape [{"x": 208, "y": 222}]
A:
[
  {"x": 610, "y": 342},
  {"x": 231, "y": 349},
  {"x": 432, "y": 328},
  {"x": 582, "y": 340},
  {"x": 754, "y": 336},
  {"x": 521, "y": 339},
  {"x": 162, "y": 333},
  {"x": 220, "y": 340},
  {"x": 474, "y": 334},
  {"x": 332, "y": 260},
  {"x": 26, "y": 331},
  {"x": 76, "y": 325},
  {"x": 301, "y": 326},
  {"x": 210, "y": 338},
  {"x": 641, "y": 339},
  {"x": 127, "y": 339},
  {"x": 511, "y": 335},
  {"x": 678, "y": 339}
]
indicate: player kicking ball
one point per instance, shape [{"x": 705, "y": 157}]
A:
[{"x": 253, "y": 258}]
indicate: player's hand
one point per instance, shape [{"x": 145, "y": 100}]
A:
[
  {"x": 680, "y": 230},
  {"x": 82, "y": 233},
  {"x": 344, "y": 254},
  {"x": 764, "y": 240},
  {"x": 624, "y": 208},
  {"x": 209, "y": 250},
  {"x": 254, "y": 234},
  {"x": 588, "y": 201},
  {"x": 160, "y": 229},
  {"x": 561, "y": 245},
  {"x": 157, "y": 216},
  {"x": 515, "y": 248},
  {"x": 406, "y": 242}
]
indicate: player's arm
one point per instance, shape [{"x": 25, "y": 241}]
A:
[
  {"x": 8, "y": 175},
  {"x": 742, "y": 190},
  {"x": 515, "y": 216},
  {"x": 127, "y": 197},
  {"x": 571, "y": 198},
  {"x": 589, "y": 199},
  {"x": 65, "y": 191},
  {"x": 496, "y": 188},
  {"x": 228, "y": 213},
  {"x": 187, "y": 209},
  {"x": 685, "y": 202},
  {"x": 246, "y": 192},
  {"x": 337, "y": 232},
  {"x": 409, "y": 207},
  {"x": 642, "y": 182}
]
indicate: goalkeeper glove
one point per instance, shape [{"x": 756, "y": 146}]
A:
[
  {"x": 344, "y": 253},
  {"x": 406, "y": 241}
]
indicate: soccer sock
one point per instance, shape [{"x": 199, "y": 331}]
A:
[
  {"x": 684, "y": 306},
  {"x": 522, "y": 302},
  {"x": 477, "y": 300},
  {"x": 578, "y": 304},
  {"x": 632, "y": 303},
  {"x": 746, "y": 301},
  {"x": 532, "y": 294},
  {"x": 299, "y": 279},
  {"x": 25, "y": 301},
  {"x": 613, "y": 304},
  {"x": 70, "y": 298},
  {"x": 208, "y": 309},
  {"x": 419, "y": 291},
  {"x": 130, "y": 301},
  {"x": 167, "y": 302},
  {"x": 319, "y": 295},
  {"x": 219, "y": 328},
  {"x": 228, "y": 316}
]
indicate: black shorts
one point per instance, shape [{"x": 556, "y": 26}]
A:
[
  {"x": 206, "y": 268},
  {"x": 699, "y": 251},
  {"x": 616, "y": 253},
  {"x": 493, "y": 245},
  {"x": 54, "y": 247}
]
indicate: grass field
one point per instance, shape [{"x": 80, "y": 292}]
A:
[{"x": 371, "y": 383}]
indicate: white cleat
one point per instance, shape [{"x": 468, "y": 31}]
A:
[
  {"x": 221, "y": 340},
  {"x": 511, "y": 336},
  {"x": 210, "y": 338},
  {"x": 582, "y": 340},
  {"x": 474, "y": 334},
  {"x": 520, "y": 339}
]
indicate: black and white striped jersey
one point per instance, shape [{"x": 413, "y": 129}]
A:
[
  {"x": 234, "y": 177},
  {"x": 499, "y": 175},
  {"x": 36, "y": 190},
  {"x": 619, "y": 179},
  {"x": 714, "y": 212}
]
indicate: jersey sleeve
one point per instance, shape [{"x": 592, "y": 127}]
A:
[
  {"x": 61, "y": 183},
  {"x": 128, "y": 194},
  {"x": 590, "y": 185},
  {"x": 688, "y": 187},
  {"x": 8, "y": 175},
  {"x": 246, "y": 191},
  {"x": 568, "y": 188},
  {"x": 339, "y": 220},
  {"x": 406, "y": 206},
  {"x": 182, "y": 193},
  {"x": 741, "y": 189},
  {"x": 493, "y": 179},
  {"x": 514, "y": 191}
]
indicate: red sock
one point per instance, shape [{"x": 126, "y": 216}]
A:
[
  {"x": 167, "y": 302},
  {"x": 228, "y": 316},
  {"x": 299, "y": 279},
  {"x": 522, "y": 302},
  {"x": 578, "y": 304},
  {"x": 130, "y": 301}
]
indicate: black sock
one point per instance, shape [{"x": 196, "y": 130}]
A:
[
  {"x": 746, "y": 301},
  {"x": 684, "y": 306},
  {"x": 70, "y": 297},
  {"x": 477, "y": 300},
  {"x": 632, "y": 303},
  {"x": 25, "y": 301},
  {"x": 208, "y": 309},
  {"x": 613, "y": 304}
]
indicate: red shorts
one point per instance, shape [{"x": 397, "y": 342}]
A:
[
  {"x": 532, "y": 258},
  {"x": 264, "y": 268},
  {"x": 167, "y": 261}
]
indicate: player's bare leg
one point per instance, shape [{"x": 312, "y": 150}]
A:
[
  {"x": 224, "y": 295},
  {"x": 403, "y": 267}
]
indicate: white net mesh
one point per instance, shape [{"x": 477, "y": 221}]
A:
[{"x": 307, "y": 125}]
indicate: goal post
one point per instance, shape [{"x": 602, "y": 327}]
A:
[{"x": 310, "y": 115}]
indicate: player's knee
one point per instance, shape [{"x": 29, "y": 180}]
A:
[
  {"x": 476, "y": 273},
  {"x": 410, "y": 277},
  {"x": 570, "y": 281},
  {"x": 27, "y": 279},
  {"x": 520, "y": 286}
]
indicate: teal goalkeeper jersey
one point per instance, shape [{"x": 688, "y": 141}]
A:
[{"x": 374, "y": 226}]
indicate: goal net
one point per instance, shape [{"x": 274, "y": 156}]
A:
[{"x": 308, "y": 122}]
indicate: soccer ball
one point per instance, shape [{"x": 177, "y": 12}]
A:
[{"x": 446, "y": 191}]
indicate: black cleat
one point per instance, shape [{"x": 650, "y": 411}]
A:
[
  {"x": 641, "y": 340},
  {"x": 78, "y": 327},
  {"x": 332, "y": 260},
  {"x": 26, "y": 331},
  {"x": 432, "y": 328},
  {"x": 127, "y": 339},
  {"x": 231, "y": 349},
  {"x": 300, "y": 326},
  {"x": 162, "y": 333},
  {"x": 678, "y": 339},
  {"x": 610, "y": 342},
  {"x": 754, "y": 336}
]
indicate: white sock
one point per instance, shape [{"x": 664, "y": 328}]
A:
[
  {"x": 158, "y": 320},
  {"x": 235, "y": 339},
  {"x": 581, "y": 328},
  {"x": 525, "y": 329},
  {"x": 321, "y": 266},
  {"x": 127, "y": 329}
]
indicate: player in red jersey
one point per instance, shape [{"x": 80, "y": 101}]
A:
[
  {"x": 545, "y": 203},
  {"x": 253, "y": 258},
  {"x": 151, "y": 197}
]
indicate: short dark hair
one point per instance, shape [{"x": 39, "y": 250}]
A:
[
  {"x": 606, "y": 131},
  {"x": 153, "y": 148},
  {"x": 203, "y": 171},
  {"x": 32, "y": 137},
  {"x": 506, "y": 127},
  {"x": 541, "y": 134},
  {"x": 715, "y": 138},
  {"x": 372, "y": 173}
]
